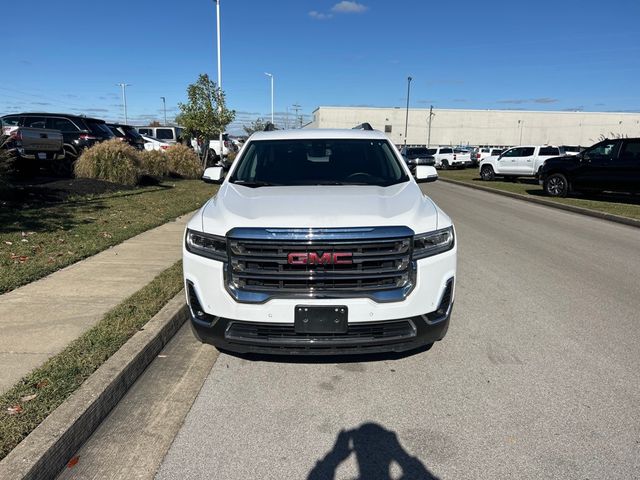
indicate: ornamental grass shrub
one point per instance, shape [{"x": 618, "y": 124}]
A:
[
  {"x": 113, "y": 161},
  {"x": 184, "y": 162}
]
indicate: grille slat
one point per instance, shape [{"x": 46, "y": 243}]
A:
[
  {"x": 357, "y": 334},
  {"x": 262, "y": 265}
]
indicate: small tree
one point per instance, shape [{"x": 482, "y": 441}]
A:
[
  {"x": 205, "y": 115},
  {"x": 255, "y": 126},
  {"x": 155, "y": 123}
]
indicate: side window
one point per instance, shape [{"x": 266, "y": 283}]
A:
[
  {"x": 446, "y": 150},
  {"x": 35, "y": 122},
  {"x": 549, "y": 151},
  {"x": 631, "y": 152},
  {"x": 164, "y": 134},
  {"x": 527, "y": 151},
  {"x": 10, "y": 121},
  {"x": 602, "y": 151},
  {"x": 514, "y": 152},
  {"x": 145, "y": 131},
  {"x": 61, "y": 124}
]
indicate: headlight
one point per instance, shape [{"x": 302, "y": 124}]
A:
[
  {"x": 432, "y": 243},
  {"x": 210, "y": 246}
]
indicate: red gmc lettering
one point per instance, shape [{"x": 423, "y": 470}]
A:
[{"x": 313, "y": 258}]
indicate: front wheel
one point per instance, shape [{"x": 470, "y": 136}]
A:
[
  {"x": 556, "y": 185},
  {"x": 486, "y": 173},
  {"x": 445, "y": 165}
]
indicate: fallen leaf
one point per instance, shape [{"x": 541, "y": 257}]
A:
[
  {"x": 16, "y": 409},
  {"x": 106, "y": 234},
  {"x": 24, "y": 240},
  {"x": 23, "y": 234},
  {"x": 72, "y": 463},
  {"x": 162, "y": 356},
  {"x": 8, "y": 243},
  {"x": 28, "y": 398},
  {"x": 42, "y": 383}
]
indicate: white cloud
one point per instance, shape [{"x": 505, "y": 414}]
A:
[
  {"x": 347, "y": 6},
  {"x": 320, "y": 15}
]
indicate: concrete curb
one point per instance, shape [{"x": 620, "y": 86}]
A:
[
  {"x": 549, "y": 203},
  {"x": 47, "y": 450}
]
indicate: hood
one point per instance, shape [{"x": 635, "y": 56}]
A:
[{"x": 320, "y": 206}]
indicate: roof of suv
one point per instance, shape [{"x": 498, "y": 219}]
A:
[
  {"x": 50, "y": 114},
  {"x": 318, "y": 133}
]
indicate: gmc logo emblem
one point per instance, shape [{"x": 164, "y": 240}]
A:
[{"x": 320, "y": 259}]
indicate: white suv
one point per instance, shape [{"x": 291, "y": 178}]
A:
[
  {"x": 320, "y": 242},
  {"x": 522, "y": 161}
]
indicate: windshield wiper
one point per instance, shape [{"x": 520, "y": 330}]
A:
[{"x": 255, "y": 183}]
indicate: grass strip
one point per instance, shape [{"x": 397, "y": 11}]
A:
[
  {"x": 616, "y": 204},
  {"x": 43, "y": 390},
  {"x": 38, "y": 239}
]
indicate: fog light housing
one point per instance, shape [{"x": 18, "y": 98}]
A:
[
  {"x": 194, "y": 304},
  {"x": 444, "y": 307}
]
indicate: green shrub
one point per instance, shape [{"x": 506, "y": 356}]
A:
[
  {"x": 154, "y": 163},
  {"x": 184, "y": 162},
  {"x": 113, "y": 160}
]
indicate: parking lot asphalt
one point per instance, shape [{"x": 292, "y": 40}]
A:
[{"x": 537, "y": 377}]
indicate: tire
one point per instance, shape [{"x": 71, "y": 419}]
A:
[
  {"x": 486, "y": 173},
  {"x": 64, "y": 167},
  {"x": 556, "y": 185},
  {"x": 445, "y": 165}
]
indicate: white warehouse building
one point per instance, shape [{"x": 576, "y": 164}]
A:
[{"x": 483, "y": 127}]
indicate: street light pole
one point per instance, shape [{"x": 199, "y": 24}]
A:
[
  {"x": 124, "y": 98},
  {"x": 406, "y": 121},
  {"x": 431, "y": 114},
  {"x": 271, "y": 77},
  {"x": 219, "y": 69},
  {"x": 164, "y": 107}
]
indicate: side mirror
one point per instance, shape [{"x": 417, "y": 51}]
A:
[
  {"x": 426, "y": 173},
  {"x": 213, "y": 175}
]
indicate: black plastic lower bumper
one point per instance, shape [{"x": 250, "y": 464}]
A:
[{"x": 363, "y": 337}]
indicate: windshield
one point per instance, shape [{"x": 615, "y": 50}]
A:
[{"x": 319, "y": 162}]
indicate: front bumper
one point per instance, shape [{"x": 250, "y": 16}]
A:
[{"x": 280, "y": 339}]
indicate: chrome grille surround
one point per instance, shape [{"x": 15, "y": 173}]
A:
[{"x": 257, "y": 269}]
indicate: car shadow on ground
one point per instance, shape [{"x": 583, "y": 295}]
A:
[
  {"x": 326, "y": 359},
  {"x": 379, "y": 455}
]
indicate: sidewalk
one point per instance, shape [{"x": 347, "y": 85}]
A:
[{"x": 39, "y": 319}]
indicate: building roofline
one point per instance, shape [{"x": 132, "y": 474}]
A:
[{"x": 337, "y": 107}]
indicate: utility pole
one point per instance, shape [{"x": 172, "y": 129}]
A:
[
  {"x": 297, "y": 108},
  {"x": 124, "y": 98},
  {"x": 406, "y": 121},
  {"x": 164, "y": 107},
  {"x": 431, "y": 115},
  {"x": 521, "y": 124},
  {"x": 219, "y": 69},
  {"x": 270, "y": 75},
  {"x": 286, "y": 119}
]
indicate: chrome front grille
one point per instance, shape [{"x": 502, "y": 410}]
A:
[{"x": 381, "y": 264}]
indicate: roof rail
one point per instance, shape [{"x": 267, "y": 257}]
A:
[
  {"x": 269, "y": 127},
  {"x": 363, "y": 126}
]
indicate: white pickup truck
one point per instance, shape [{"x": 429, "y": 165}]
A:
[
  {"x": 448, "y": 157},
  {"x": 319, "y": 242},
  {"x": 521, "y": 161}
]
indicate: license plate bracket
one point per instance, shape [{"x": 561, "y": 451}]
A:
[{"x": 321, "y": 319}]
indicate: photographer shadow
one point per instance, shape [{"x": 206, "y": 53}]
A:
[{"x": 376, "y": 450}]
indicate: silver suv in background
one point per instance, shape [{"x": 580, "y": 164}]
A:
[{"x": 170, "y": 135}]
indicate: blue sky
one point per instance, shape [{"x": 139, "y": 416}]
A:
[{"x": 548, "y": 55}]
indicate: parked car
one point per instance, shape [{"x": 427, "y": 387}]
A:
[
  {"x": 32, "y": 147},
  {"x": 522, "y": 161},
  {"x": 446, "y": 158},
  {"x": 151, "y": 143},
  {"x": 414, "y": 156},
  {"x": 481, "y": 153},
  {"x": 462, "y": 157},
  {"x": 78, "y": 132},
  {"x": 170, "y": 135},
  {"x": 612, "y": 165},
  {"x": 128, "y": 134},
  {"x": 570, "y": 149},
  {"x": 319, "y": 242}
]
